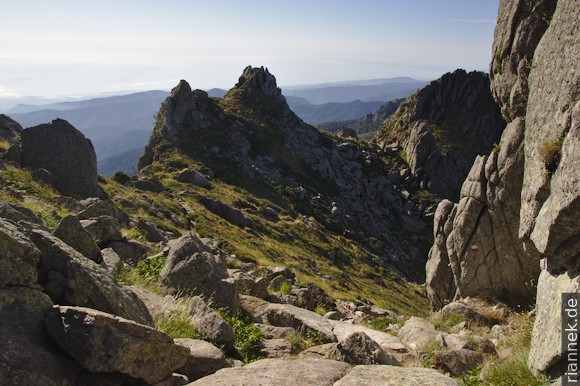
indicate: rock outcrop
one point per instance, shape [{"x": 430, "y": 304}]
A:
[
  {"x": 9, "y": 128},
  {"x": 65, "y": 152},
  {"x": 521, "y": 204},
  {"x": 443, "y": 127}
]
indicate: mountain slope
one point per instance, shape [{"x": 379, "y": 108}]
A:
[{"x": 255, "y": 146}]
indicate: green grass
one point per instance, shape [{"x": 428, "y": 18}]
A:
[
  {"x": 382, "y": 323},
  {"x": 178, "y": 325},
  {"x": 427, "y": 353},
  {"x": 445, "y": 323},
  {"x": 514, "y": 371}
]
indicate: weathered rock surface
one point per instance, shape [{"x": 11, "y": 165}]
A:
[
  {"x": 203, "y": 359},
  {"x": 71, "y": 231},
  {"x": 457, "y": 362},
  {"x": 417, "y": 332},
  {"x": 304, "y": 321},
  {"x": 191, "y": 267},
  {"x": 359, "y": 349},
  {"x": 534, "y": 80},
  {"x": 9, "y": 128},
  {"x": 65, "y": 152},
  {"x": 233, "y": 215},
  {"x": 369, "y": 375},
  {"x": 443, "y": 127},
  {"x": 470, "y": 314},
  {"x": 28, "y": 356},
  {"x": 210, "y": 324},
  {"x": 391, "y": 344},
  {"x": 275, "y": 348},
  {"x": 274, "y": 372},
  {"x": 191, "y": 176},
  {"x": 104, "y": 208},
  {"x": 546, "y": 346},
  {"x": 18, "y": 257},
  {"x": 104, "y": 230},
  {"x": 70, "y": 278},
  {"x": 102, "y": 342}
]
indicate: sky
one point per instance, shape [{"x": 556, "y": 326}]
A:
[{"x": 67, "y": 48}]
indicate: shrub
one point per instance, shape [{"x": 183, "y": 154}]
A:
[
  {"x": 151, "y": 268},
  {"x": 248, "y": 337},
  {"x": 550, "y": 152},
  {"x": 285, "y": 288}
]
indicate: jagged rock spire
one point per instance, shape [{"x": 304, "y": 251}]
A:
[{"x": 256, "y": 81}]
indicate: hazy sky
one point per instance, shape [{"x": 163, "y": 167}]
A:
[{"x": 66, "y": 47}]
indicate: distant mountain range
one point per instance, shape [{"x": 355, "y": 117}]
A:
[{"x": 119, "y": 126}]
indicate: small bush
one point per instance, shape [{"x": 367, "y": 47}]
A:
[
  {"x": 550, "y": 152},
  {"x": 424, "y": 196},
  {"x": 248, "y": 337},
  {"x": 285, "y": 288},
  {"x": 496, "y": 148},
  {"x": 151, "y": 268}
]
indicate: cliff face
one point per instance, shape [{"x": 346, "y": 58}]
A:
[
  {"x": 443, "y": 127},
  {"x": 517, "y": 216}
]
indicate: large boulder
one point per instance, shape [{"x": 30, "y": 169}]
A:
[
  {"x": 192, "y": 268},
  {"x": 359, "y": 349},
  {"x": 417, "y": 333},
  {"x": 102, "y": 342},
  {"x": 71, "y": 231},
  {"x": 457, "y": 362},
  {"x": 204, "y": 358},
  {"x": 65, "y": 152},
  {"x": 104, "y": 230},
  {"x": 210, "y": 324},
  {"x": 70, "y": 278},
  {"x": 274, "y": 372},
  {"x": 305, "y": 321},
  {"x": 104, "y": 208},
  {"x": 18, "y": 257},
  {"x": 233, "y": 215},
  {"x": 191, "y": 176},
  {"x": 391, "y": 344},
  {"x": 28, "y": 356}
]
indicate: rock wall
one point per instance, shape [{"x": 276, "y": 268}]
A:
[
  {"x": 519, "y": 206},
  {"x": 443, "y": 127}
]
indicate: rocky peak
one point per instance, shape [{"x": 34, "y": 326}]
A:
[
  {"x": 9, "y": 128},
  {"x": 443, "y": 127},
  {"x": 256, "y": 82}
]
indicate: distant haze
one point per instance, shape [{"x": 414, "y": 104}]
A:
[{"x": 64, "y": 48}]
